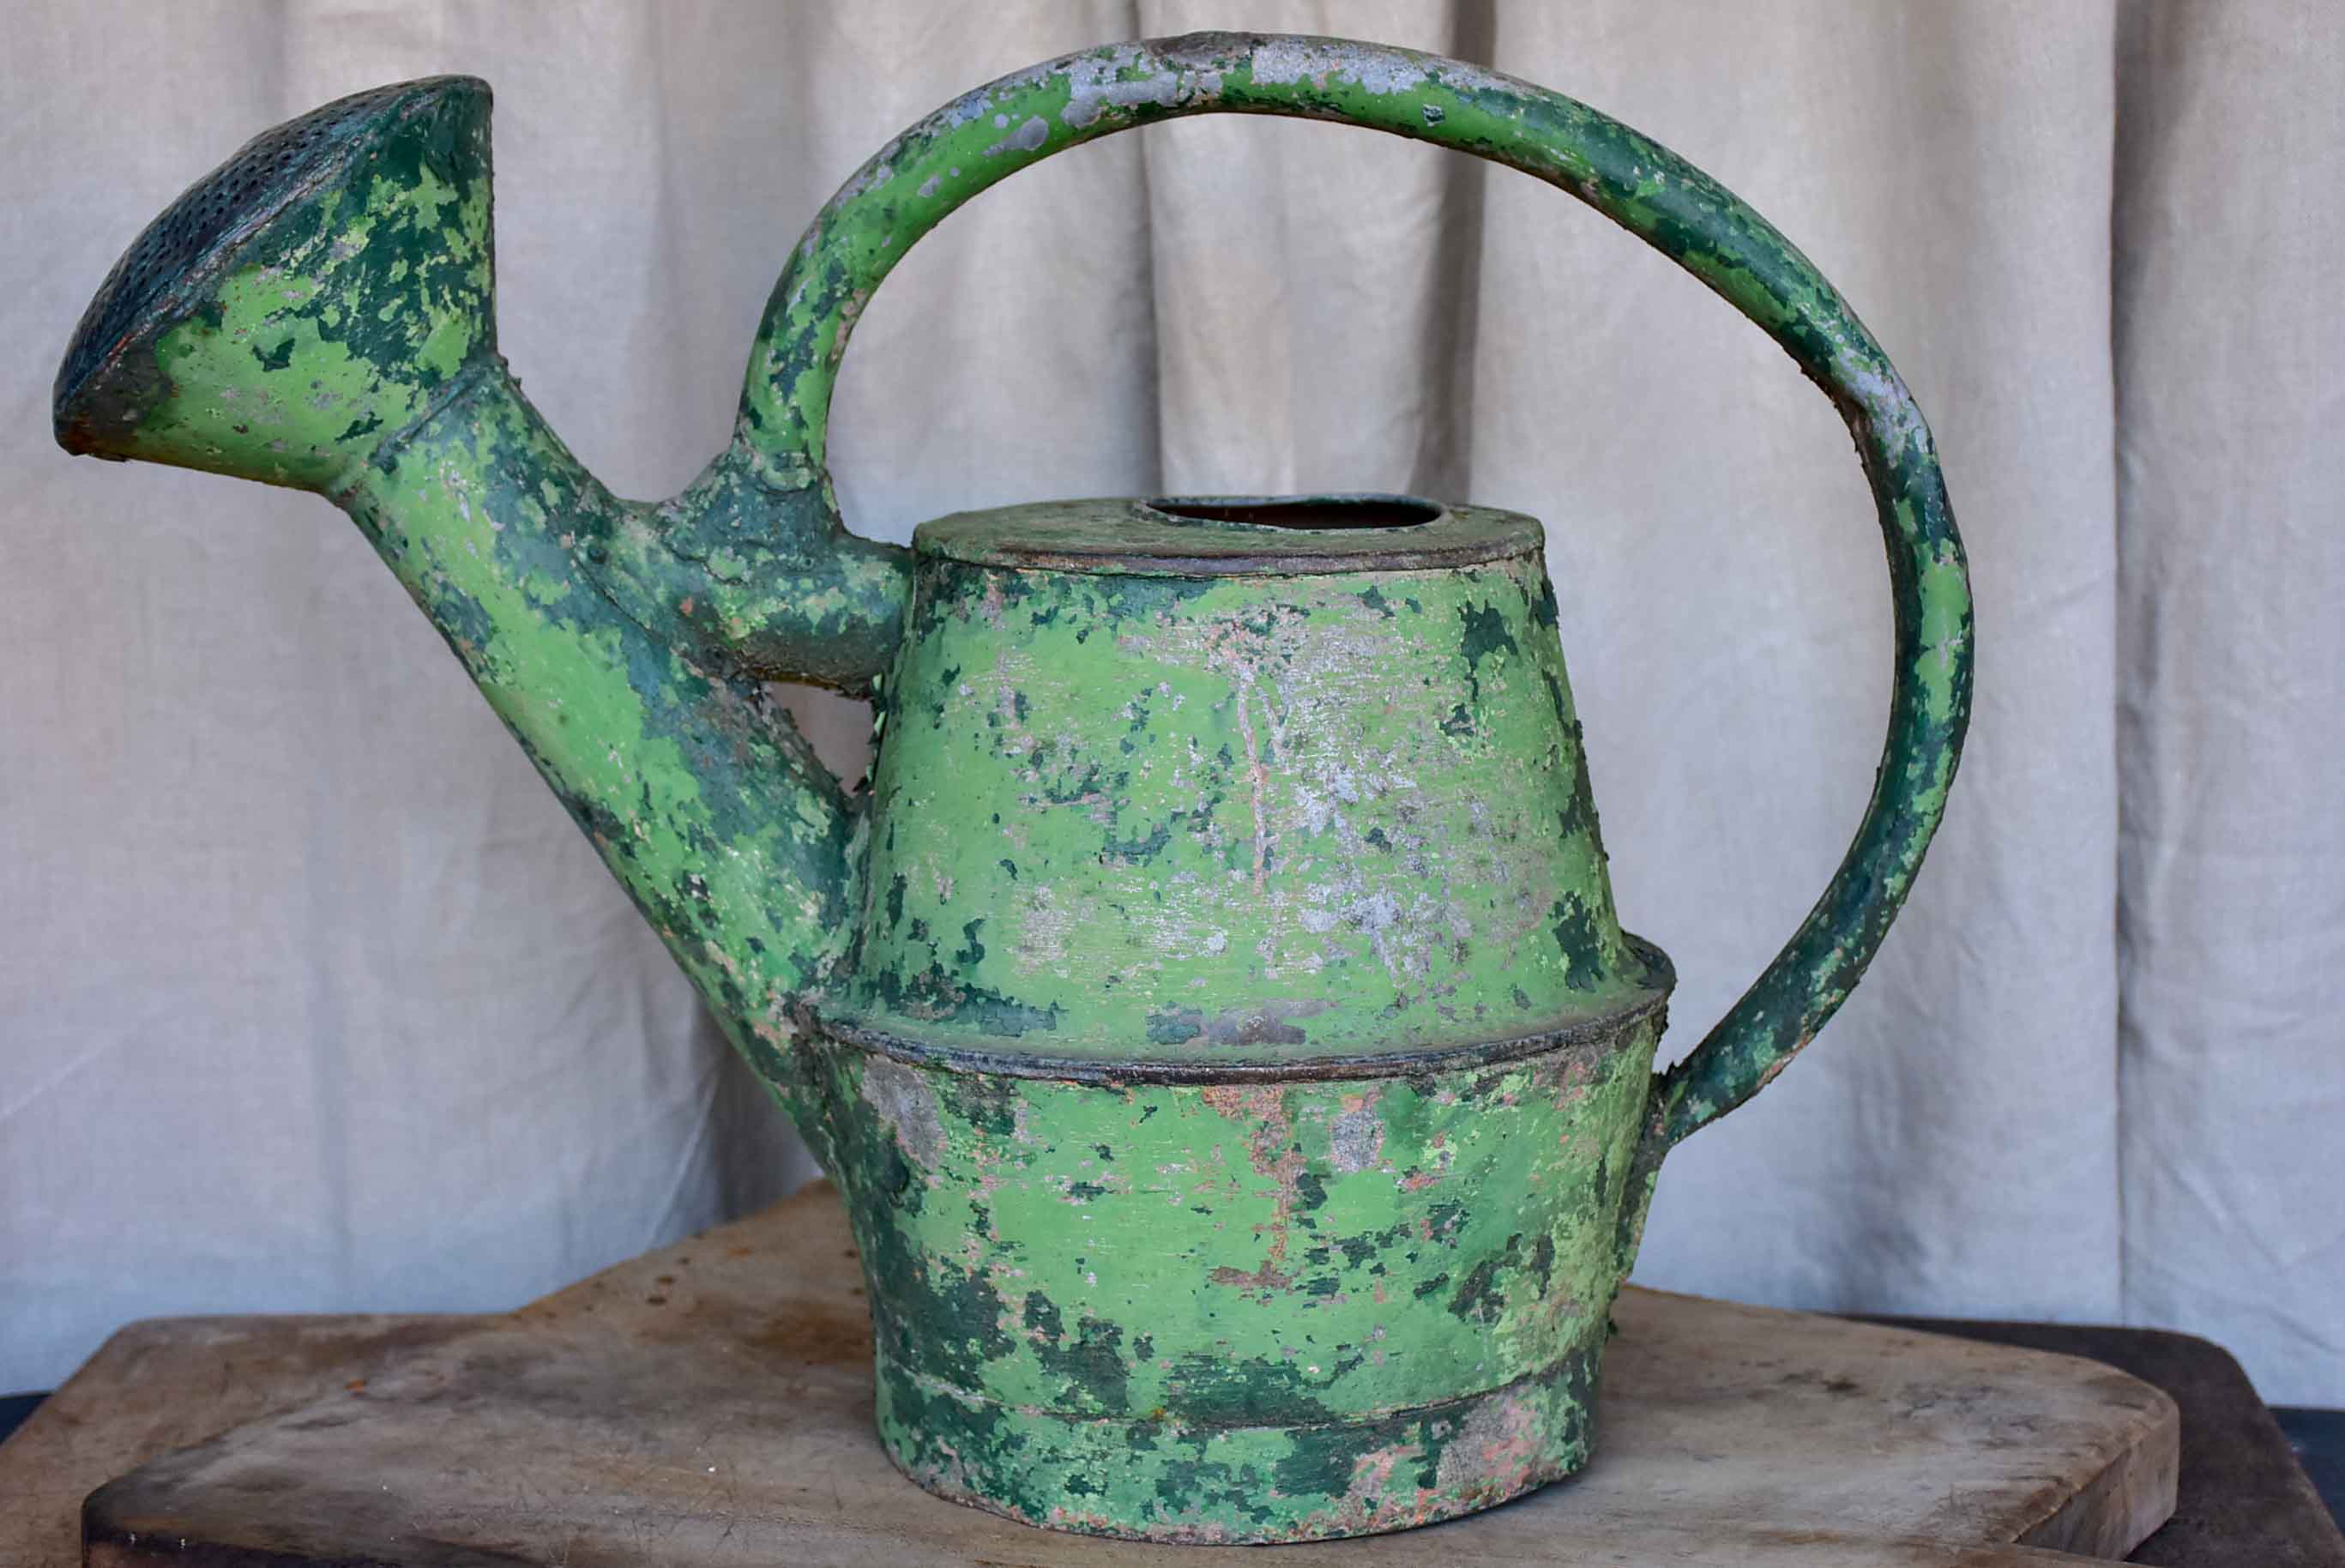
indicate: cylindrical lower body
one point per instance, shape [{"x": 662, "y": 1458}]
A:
[{"x": 1275, "y": 1309}]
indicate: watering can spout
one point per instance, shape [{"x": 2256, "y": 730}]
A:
[
  {"x": 319, "y": 312},
  {"x": 294, "y": 310}
]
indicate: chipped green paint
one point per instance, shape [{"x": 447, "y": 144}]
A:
[
  {"x": 1265, "y": 812},
  {"x": 1224, "y": 1311},
  {"x": 1214, "y": 1012},
  {"x": 335, "y": 333}
]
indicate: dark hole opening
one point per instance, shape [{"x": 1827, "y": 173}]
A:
[{"x": 1314, "y": 512}]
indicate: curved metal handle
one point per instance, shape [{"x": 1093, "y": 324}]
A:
[{"x": 923, "y": 175}]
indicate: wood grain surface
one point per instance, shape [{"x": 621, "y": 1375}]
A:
[{"x": 709, "y": 1403}]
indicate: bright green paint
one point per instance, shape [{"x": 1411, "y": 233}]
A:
[{"x": 1215, "y": 1013}]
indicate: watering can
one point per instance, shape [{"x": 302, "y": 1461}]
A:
[{"x": 1212, "y": 1008}]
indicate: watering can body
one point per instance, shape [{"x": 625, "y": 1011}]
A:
[
  {"x": 1242, "y": 1071},
  {"x": 1212, "y": 1008}
]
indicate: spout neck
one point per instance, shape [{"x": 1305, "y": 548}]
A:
[{"x": 696, "y": 790}]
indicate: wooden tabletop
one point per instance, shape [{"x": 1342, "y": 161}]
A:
[{"x": 1732, "y": 1434}]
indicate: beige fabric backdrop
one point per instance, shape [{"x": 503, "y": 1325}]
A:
[{"x": 312, "y": 998}]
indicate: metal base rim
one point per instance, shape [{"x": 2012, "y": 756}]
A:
[
  {"x": 1559, "y": 1402},
  {"x": 1193, "y": 1535}
]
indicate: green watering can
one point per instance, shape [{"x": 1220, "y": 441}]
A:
[{"x": 1213, "y": 1008}]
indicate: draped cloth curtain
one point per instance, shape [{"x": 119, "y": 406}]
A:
[{"x": 313, "y": 999}]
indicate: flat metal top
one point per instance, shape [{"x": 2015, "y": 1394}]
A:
[{"x": 1232, "y": 535}]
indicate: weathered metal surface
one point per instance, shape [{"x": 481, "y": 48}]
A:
[
  {"x": 339, "y": 337},
  {"x": 1240, "y": 1312},
  {"x": 1215, "y": 1012},
  {"x": 922, "y": 176},
  {"x": 1231, "y": 819}
]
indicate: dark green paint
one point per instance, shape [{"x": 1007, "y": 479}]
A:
[{"x": 1215, "y": 1012}]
